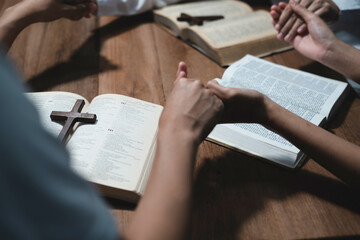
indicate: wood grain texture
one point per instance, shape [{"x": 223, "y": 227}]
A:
[{"x": 236, "y": 196}]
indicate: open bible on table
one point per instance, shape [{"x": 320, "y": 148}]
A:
[
  {"x": 115, "y": 153},
  {"x": 240, "y": 31},
  {"x": 311, "y": 97}
]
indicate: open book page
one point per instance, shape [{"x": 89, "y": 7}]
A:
[
  {"x": 309, "y": 96},
  {"x": 228, "y": 8},
  {"x": 230, "y": 134},
  {"x": 46, "y": 102},
  {"x": 293, "y": 89},
  {"x": 253, "y": 139},
  {"x": 230, "y": 31},
  {"x": 114, "y": 151}
]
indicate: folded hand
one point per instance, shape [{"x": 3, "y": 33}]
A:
[{"x": 191, "y": 109}]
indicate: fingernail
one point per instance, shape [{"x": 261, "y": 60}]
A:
[
  {"x": 277, "y": 26},
  {"x": 287, "y": 37},
  {"x": 280, "y": 36}
]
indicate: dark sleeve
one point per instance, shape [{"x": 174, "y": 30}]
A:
[{"x": 41, "y": 197}]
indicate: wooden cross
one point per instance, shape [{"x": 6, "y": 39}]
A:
[
  {"x": 71, "y": 118},
  {"x": 198, "y": 20}
]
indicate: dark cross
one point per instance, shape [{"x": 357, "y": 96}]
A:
[
  {"x": 71, "y": 118},
  {"x": 198, "y": 20}
]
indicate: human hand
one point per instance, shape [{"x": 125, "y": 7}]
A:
[
  {"x": 241, "y": 105},
  {"x": 50, "y": 10},
  {"x": 191, "y": 110},
  {"x": 288, "y": 24},
  {"x": 316, "y": 43}
]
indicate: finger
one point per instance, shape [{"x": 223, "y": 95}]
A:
[
  {"x": 313, "y": 11},
  {"x": 217, "y": 89},
  {"x": 180, "y": 75},
  {"x": 285, "y": 16},
  {"x": 289, "y": 31},
  {"x": 181, "y": 71},
  {"x": 276, "y": 9},
  {"x": 301, "y": 11},
  {"x": 286, "y": 28},
  {"x": 302, "y": 29},
  {"x": 322, "y": 9},
  {"x": 282, "y": 5},
  {"x": 325, "y": 13},
  {"x": 293, "y": 31},
  {"x": 314, "y": 7},
  {"x": 275, "y": 14},
  {"x": 215, "y": 81}
]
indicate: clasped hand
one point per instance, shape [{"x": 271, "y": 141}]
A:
[
  {"x": 313, "y": 39},
  {"x": 193, "y": 109},
  {"x": 289, "y": 24}
]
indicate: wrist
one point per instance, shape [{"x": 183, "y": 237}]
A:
[
  {"x": 343, "y": 58},
  {"x": 272, "y": 110},
  {"x": 331, "y": 52},
  {"x": 175, "y": 131},
  {"x": 15, "y": 18}
]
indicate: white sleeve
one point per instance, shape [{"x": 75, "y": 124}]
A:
[
  {"x": 347, "y": 4},
  {"x": 129, "y": 7}
]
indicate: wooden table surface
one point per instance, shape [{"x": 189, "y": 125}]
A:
[{"x": 236, "y": 196}]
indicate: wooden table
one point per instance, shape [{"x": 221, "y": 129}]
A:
[{"x": 236, "y": 196}]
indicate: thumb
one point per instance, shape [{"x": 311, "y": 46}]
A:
[
  {"x": 181, "y": 71},
  {"x": 217, "y": 89},
  {"x": 301, "y": 11}
]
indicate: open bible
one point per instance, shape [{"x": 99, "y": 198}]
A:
[
  {"x": 116, "y": 152},
  {"x": 242, "y": 31},
  {"x": 311, "y": 97}
]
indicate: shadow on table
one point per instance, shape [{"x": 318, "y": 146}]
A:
[
  {"x": 86, "y": 60},
  {"x": 229, "y": 190}
]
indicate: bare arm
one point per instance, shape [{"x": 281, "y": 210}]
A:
[
  {"x": 340, "y": 157},
  {"x": 27, "y": 12},
  {"x": 333, "y": 153},
  {"x": 189, "y": 115}
]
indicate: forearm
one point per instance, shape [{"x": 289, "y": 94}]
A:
[
  {"x": 333, "y": 153},
  {"x": 12, "y": 22},
  {"x": 343, "y": 58},
  {"x": 164, "y": 210}
]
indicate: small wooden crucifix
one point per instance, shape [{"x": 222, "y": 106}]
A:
[
  {"x": 71, "y": 118},
  {"x": 198, "y": 20}
]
